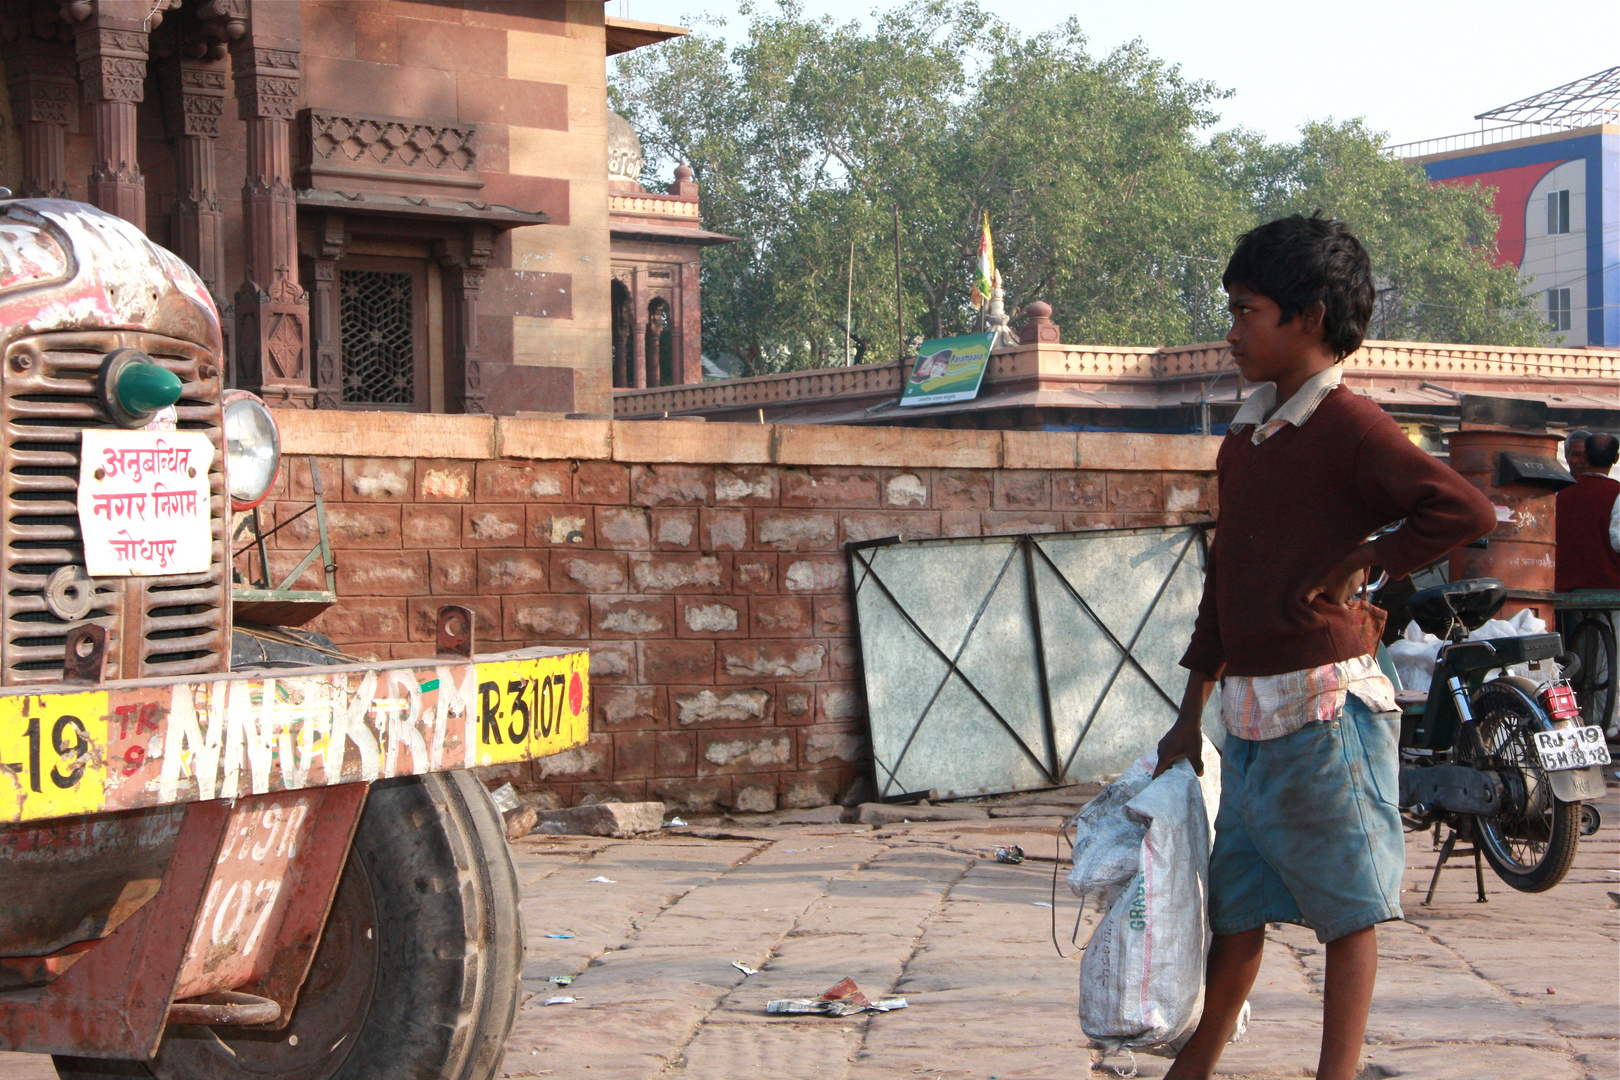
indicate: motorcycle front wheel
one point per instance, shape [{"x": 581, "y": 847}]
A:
[{"x": 1529, "y": 842}]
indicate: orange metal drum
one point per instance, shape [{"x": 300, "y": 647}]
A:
[{"x": 1520, "y": 552}]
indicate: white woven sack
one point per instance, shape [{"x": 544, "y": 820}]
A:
[
  {"x": 1107, "y": 843},
  {"x": 1142, "y": 977}
]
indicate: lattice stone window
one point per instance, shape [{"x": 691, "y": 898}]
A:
[{"x": 380, "y": 316}]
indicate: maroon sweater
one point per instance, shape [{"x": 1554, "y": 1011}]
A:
[{"x": 1292, "y": 508}]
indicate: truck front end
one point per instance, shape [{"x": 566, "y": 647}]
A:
[{"x": 208, "y": 873}]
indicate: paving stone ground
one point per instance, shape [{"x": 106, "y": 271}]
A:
[{"x": 1524, "y": 986}]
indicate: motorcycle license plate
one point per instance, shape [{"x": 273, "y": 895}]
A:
[{"x": 1571, "y": 748}]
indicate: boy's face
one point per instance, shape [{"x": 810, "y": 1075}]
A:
[{"x": 1263, "y": 348}]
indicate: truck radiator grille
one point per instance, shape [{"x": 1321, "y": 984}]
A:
[{"x": 168, "y": 626}]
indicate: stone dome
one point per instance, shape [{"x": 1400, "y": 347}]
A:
[{"x": 624, "y": 150}]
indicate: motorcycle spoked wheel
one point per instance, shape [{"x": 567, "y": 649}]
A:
[
  {"x": 1530, "y": 842},
  {"x": 418, "y": 969}
]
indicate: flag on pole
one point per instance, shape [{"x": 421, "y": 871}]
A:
[{"x": 985, "y": 274}]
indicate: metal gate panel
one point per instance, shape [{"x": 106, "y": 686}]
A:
[
  {"x": 998, "y": 657},
  {"x": 1014, "y": 663},
  {"x": 1133, "y": 595},
  {"x": 950, "y": 615}
]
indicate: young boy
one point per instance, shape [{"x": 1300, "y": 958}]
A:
[{"x": 1308, "y": 831}]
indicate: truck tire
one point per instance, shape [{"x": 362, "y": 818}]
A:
[{"x": 417, "y": 976}]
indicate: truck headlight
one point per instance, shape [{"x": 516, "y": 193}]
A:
[{"x": 252, "y": 449}]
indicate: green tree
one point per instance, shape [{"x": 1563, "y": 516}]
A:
[
  {"x": 1436, "y": 281},
  {"x": 1106, "y": 198}
]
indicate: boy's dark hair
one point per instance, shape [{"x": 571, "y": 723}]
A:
[
  {"x": 1300, "y": 262},
  {"x": 1602, "y": 450}
]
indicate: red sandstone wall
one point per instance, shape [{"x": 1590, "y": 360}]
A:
[{"x": 702, "y": 564}]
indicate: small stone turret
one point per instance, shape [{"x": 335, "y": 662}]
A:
[{"x": 1038, "y": 325}]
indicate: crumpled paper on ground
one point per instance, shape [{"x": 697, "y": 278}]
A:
[{"x": 844, "y": 999}]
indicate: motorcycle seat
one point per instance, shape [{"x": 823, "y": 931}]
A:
[{"x": 1471, "y": 602}]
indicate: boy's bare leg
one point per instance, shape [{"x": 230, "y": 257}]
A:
[
  {"x": 1234, "y": 962},
  {"x": 1352, "y": 966}
]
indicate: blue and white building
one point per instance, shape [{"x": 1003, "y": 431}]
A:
[{"x": 1555, "y": 167}]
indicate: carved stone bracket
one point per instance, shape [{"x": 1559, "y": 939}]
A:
[{"x": 218, "y": 23}]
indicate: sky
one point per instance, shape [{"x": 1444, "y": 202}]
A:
[{"x": 1416, "y": 69}]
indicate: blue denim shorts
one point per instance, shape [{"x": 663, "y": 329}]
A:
[{"x": 1308, "y": 831}]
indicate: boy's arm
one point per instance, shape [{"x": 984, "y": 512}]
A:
[
  {"x": 1204, "y": 652},
  {"x": 1185, "y": 739},
  {"x": 1205, "y": 659},
  {"x": 1442, "y": 510}
]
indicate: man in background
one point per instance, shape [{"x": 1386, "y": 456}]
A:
[
  {"x": 1587, "y": 528},
  {"x": 1575, "y": 450}
]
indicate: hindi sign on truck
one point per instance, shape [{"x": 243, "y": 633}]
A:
[
  {"x": 948, "y": 369},
  {"x": 143, "y": 502}
]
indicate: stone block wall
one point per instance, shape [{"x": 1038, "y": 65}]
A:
[{"x": 702, "y": 564}]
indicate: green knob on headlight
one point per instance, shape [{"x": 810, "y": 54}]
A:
[{"x": 144, "y": 388}]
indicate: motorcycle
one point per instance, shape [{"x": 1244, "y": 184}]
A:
[{"x": 1502, "y": 760}]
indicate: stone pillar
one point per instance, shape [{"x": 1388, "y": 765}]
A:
[
  {"x": 621, "y": 342},
  {"x": 657, "y": 327},
  {"x": 325, "y": 329},
  {"x": 638, "y": 332},
  {"x": 272, "y": 309},
  {"x": 194, "y": 103},
  {"x": 464, "y": 286},
  {"x": 689, "y": 333},
  {"x": 110, "y": 46},
  {"x": 464, "y": 262},
  {"x": 44, "y": 96}
]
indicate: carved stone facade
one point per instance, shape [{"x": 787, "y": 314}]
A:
[
  {"x": 109, "y": 43},
  {"x": 285, "y": 148},
  {"x": 355, "y": 146},
  {"x": 44, "y": 100}
]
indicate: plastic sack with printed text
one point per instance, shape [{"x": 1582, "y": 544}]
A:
[{"x": 1142, "y": 852}]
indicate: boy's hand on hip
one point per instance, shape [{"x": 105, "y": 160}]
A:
[{"x": 1341, "y": 584}]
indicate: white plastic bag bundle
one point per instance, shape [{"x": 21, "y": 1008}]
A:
[
  {"x": 1414, "y": 656},
  {"x": 1415, "y": 653},
  {"x": 1525, "y": 622},
  {"x": 1107, "y": 841},
  {"x": 1142, "y": 976}
]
